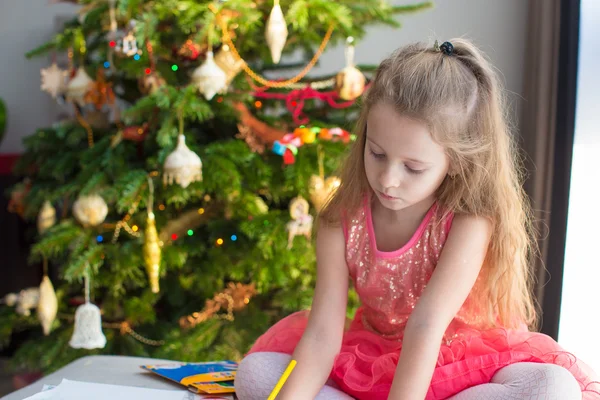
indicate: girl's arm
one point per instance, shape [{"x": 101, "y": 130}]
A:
[
  {"x": 449, "y": 286},
  {"x": 322, "y": 339}
]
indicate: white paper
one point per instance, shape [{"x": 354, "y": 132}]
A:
[{"x": 74, "y": 390}]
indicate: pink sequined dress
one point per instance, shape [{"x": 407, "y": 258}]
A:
[{"x": 389, "y": 285}]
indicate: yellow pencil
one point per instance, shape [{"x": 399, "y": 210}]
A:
[{"x": 282, "y": 380}]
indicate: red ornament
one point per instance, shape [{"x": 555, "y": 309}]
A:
[
  {"x": 135, "y": 133},
  {"x": 288, "y": 157}
]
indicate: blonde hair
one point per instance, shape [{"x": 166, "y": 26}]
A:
[{"x": 459, "y": 97}]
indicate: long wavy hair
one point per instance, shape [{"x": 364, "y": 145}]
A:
[{"x": 460, "y": 98}]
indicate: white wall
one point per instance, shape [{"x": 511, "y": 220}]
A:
[
  {"x": 579, "y": 325},
  {"x": 497, "y": 26},
  {"x": 24, "y": 25}
]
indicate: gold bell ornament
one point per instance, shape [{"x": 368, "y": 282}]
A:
[
  {"x": 90, "y": 210},
  {"x": 276, "y": 32},
  {"x": 46, "y": 218},
  {"x": 87, "y": 333},
  {"x": 321, "y": 190},
  {"x": 152, "y": 251},
  {"x": 349, "y": 82}
]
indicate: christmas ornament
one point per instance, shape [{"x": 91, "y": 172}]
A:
[
  {"x": 182, "y": 166},
  {"x": 254, "y": 143},
  {"x": 78, "y": 87},
  {"x": 228, "y": 63},
  {"x": 87, "y": 333},
  {"x": 209, "y": 78},
  {"x": 302, "y": 221},
  {"x": 48, "y": 305},
  {"x": 135, "y": 133},
  {"x": 321, "y": 190},
  {"x": 25, "y": 300},
  {"x": 191, "y": 50},
  {"x": 150, "y": 83},
  {"x": 226, "y": 38},
  {"x": 152, "y": 250},
  {"x": 288, "y": 145},
  {"x": 54, "y": 80},
  {"x": 46, "y": 218},
  {"x": 100, "y": 92},
  {"x": 90, "y": 210},
  {"x": 276, "y": 32},
  {"x": 127, "y": 46},
  {"x": 349, "y": 82}
]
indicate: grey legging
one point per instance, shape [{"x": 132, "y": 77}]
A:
[{"x": 258, "y": 373}]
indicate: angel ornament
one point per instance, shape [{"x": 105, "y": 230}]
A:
[{"x": 302, "y": 221}]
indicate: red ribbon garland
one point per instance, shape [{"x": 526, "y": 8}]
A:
[{"x": 295, "y": 99}]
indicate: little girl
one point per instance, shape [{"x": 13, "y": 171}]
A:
[{"x": 431, "y": 225}]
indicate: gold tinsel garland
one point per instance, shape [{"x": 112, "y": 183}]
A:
[{"x": 234, "y": 298}]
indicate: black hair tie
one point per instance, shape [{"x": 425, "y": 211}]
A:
[{"x": 447, "y": 48}]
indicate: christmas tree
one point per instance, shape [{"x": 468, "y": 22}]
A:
[{"x": 175, "y": 208}]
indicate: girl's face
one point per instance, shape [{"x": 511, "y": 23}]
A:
[{"x": 404, "y": 166}]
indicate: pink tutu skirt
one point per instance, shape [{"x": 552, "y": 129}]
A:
[{"x": 366, "y": 364}]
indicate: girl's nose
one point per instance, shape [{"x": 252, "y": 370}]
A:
[{"x": 390, "y": 177}]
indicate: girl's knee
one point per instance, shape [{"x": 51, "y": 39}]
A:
[
  {"x": 258, "y": 373},
  {"x": 550, "y": 379},
  {"x": 561, "y": 381}
]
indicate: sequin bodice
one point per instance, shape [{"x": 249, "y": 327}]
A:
[{"x": 390, "y": 283}]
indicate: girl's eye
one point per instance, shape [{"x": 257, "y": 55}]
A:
[
  {"x": 414, "y": 171},
  {"x": 377, "y": 155}
]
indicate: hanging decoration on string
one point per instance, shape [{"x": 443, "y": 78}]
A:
[
  {"x": 182, "y": 166},
  {"x": 100, "y": 92},
  {"x": 54, "y": 80},
  {"x": 87, "y": 333},
  {"x": 46, "y": 217},
  {"x": 127, "y": 46},
  {"x": 48, "y": 303},
  {"x": 90, "y": 210},
  {"x": 319, "y": 188},
  {"x": 228, "y": 63},
  {"x": 79, "y": 87},
  {"x": 276, "y": 32},
  {"x": 226, "y": 38},
  {"x": 208, "y": 77},
  {"x": 302, "y": 221},
  {"x": 190, "y": 50},
  {"x": 152, "y": 251},
  {"x": 349, "y": 82}
]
